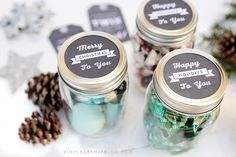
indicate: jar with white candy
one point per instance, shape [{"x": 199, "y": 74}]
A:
[
  {"x": 93, "y": 82},
  {"x": 161, "y": 26}
]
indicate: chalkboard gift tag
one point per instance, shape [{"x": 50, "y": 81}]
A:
[
  {"x": 109, "y": 19},
  {"x": 59, "y": 35}
]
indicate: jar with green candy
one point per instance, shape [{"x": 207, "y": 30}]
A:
[
  {"x": 93, "y": 82},
  {"x": 183, "y": 99}
]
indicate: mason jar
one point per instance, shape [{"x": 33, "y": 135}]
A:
[
  {"x": 93, "y": 82},
  {"x": 183, "y": 99},
  {"x": 161, "y": 26}
]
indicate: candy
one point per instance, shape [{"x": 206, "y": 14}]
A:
[
  {"x": 86, "y": 119},
  {"x": 147, "y": 56},
  {"x": 170, "y": 130}
]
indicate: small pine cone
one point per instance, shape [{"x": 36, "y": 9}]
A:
[
  {"x": 43, "y": 90},
  {"x": 41, "y": 129},
  {"x": 227, "y": 47},
  {"x": 53, "y": 118}
]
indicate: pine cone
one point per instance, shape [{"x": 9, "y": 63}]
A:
[
  {"x": 43, "y": 90},
  {"x": 41, "y": 128},
  {"x": 227, "y": 47}
]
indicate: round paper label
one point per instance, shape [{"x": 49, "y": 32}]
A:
[
  {"x": 168, "y": 14},
  {"x": 192, "y": 76},
  {"x": 92, "y": 56}
]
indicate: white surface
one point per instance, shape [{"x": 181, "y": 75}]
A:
[{"x": 219, "y": 142}]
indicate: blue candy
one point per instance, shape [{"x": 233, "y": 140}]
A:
[{"x": 87, "y": 119}]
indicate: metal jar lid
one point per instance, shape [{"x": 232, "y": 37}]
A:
[
  {"x": 190, "y": 81},
  {"x": 166, "y": 21},
  {"x": 92, "y": 62}
]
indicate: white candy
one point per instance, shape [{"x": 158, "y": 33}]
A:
[
  {"x": 151, "y": 59},
  {"x": 139, "y": 58}
]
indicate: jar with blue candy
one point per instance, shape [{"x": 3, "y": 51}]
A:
[
  {"x": 183, "y": 99},
  {"x": 93, "y": 82}
]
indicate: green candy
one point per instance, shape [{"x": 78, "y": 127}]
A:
[{"x": 169, "y": 129}]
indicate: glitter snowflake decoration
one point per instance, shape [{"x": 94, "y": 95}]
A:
[{"x": 26, "y": 19}]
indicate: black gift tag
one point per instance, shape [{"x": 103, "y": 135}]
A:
[
  {"x": 108, "y": 18},
  {"x": 59, "y": 36}
]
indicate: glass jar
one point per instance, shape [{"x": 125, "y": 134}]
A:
[
  {"x": 93, "y": 82},
  {"x": 161, "y": 26},
  {"x": 183, "y": 99}
]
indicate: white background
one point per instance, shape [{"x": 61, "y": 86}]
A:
[{"x": 219, "y": 142}]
